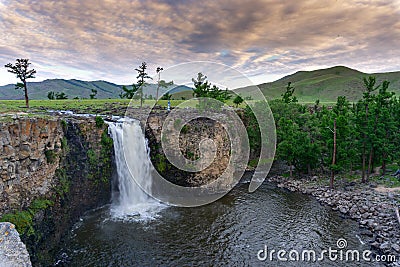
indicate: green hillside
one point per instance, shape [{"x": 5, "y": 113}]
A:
[
  {"x": 77, "y": 88},
  {"x": 325, "y": 85},
  {"x": 328, "y": 84},
  {"x": 72, "y": 88}
]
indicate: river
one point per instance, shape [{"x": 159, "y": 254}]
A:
[
  {"x": 228, "y": 232},
  {"x": 240, "y": 229}
]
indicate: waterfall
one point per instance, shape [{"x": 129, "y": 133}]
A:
[{"x": 130, "y": 202}]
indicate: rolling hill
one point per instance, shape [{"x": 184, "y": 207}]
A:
[
  {"x": 328, "y": 84},
  {"x": 77, "y": 88},
  {"x": 324, "y": 84},
  {"x": 72, "y": 88}
]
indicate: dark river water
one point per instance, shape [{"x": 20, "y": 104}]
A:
[{"x": 228, "y": 232}]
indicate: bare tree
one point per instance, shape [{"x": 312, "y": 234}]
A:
[
  {"x": 158, "y": 70},
  {"x": 333, "y": 155},
  {"x": 21, "y": 69}
]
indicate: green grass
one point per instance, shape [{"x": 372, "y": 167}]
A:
[
  {"x": 69, "y": 104},
  {"x": 328, "y": 84},
  {"x": 100, "y": 106}
]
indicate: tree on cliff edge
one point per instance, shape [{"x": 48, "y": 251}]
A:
[
  {"x": 23, "y": 73},
  {"x": 141, "y": 82}
]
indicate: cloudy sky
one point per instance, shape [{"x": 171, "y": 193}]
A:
[{"x": 264, "y": 39}]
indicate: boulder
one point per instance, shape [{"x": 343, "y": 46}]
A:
[
  {"x": 25, "y": 150},
  {"x": 12, "y": 251}
]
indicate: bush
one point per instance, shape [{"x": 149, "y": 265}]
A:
[
  {"x": 50, "y": 156},
  {"x": 64, "y": 143},
  {"x": 23, "y": 220},
  {"x": 185, "y": 129},
  {"x": 99, "y": 121},
  {"x": 64, "y": 125}
]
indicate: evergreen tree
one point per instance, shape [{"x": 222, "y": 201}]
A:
[
  {"x": 288, "y": 96},
  {"x": 204, "y": 90},
  {"x": 141, "y": 80},
  {"x": 21, "y": 69},
  {"x": 61, "y": 96},
  {"x": 50, "y": 95},
  {"x": 364, "y": 122},
  {"x": 93, "y": 94},
  {"x": 128, "y": 93},
  {"x": 238, "y": 100},
  {"x": 385, "y": 125}
]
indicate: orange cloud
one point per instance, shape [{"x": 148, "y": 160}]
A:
[{"x": 110, "y": 37}]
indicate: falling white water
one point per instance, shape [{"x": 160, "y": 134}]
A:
[{"x": 131, "y": 202}]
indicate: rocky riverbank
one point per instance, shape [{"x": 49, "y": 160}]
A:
[{"x": 373, "y": 210}]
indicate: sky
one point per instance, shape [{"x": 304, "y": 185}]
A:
[{"x": 263, "y": 39}]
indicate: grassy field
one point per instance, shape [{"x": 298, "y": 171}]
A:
[
  {"x": 96, "y": 106},
  {"x": 327, "y": 84},
  {"x": 7, "y": 106}
]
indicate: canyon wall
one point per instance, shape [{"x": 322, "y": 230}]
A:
[
  {"x": 55, "y": 168},
  {"x": 197, "y": 134},
  {"x": 29, "y": 157},
  {"x": 52, "y": 170}
]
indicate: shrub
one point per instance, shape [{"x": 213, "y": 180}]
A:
[
  {"x": 99, "y": 121},
  {"x": 64, "y": 125},
  {"x": 50, "y": 156},
  {"x": 64, "y": 143}
]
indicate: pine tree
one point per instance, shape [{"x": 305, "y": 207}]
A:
[
  {"x": 141, "y": 80},
  {"x": 288, "y": 96},
  {"x": 21, "y": 69},
  {"x": 385, "y": 126},
  {"x": 365, "y": 125},
  {"x": 238, "y": 100}
]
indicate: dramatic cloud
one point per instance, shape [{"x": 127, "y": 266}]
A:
[{"x": 263, "y": 38}]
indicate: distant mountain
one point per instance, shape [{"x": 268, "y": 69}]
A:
[
  {"x": 328, "y": 84},
  {"x": 72, "y": 88},
  {"x": 324, "y": 84},
  {"x": 151, "y": 89},
  {"x": 77, "y": 88}
]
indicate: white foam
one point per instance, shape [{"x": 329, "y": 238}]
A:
[{"x": 132, "y": 203}]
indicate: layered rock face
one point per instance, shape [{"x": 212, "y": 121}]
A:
[
  {"x": 52, "y": 170},
  {"x": 29, "y": 149},
  {"x": 203, "y": 142}
]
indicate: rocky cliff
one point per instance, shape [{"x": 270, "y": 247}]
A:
[
  {"x": 55, "y": 168},
  {"x": 203, "y": 142},
  {"x": 29, "y": 158},
  {"x": 52, "y": 169}
]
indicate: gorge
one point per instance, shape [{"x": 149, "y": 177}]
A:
[{"x": 85, "y": 208}]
